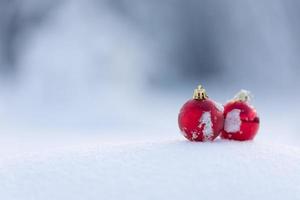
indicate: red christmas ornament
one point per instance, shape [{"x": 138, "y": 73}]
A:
[
  {"x": 241, "y": 120},
  {"x": 201, "y": 119}
]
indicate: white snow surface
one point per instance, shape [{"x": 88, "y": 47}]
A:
[
  {"x": 148, "y": 158},
  {"x": 111, "y": 166},
  {"x": 233, "y": 122}
]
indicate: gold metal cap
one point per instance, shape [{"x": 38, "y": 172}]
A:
[
  {"x": 200, "y": 93},
  {"x": 243, "y": 95}
]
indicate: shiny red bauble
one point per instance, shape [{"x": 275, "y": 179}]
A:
[
  {"x": 200, "y": 119},
  {"x": 241, "y": 121}
]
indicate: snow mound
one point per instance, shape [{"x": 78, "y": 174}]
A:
[{"x": 153, "y": 169}]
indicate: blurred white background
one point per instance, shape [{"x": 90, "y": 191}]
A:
[{"x": 128, "y": 66}]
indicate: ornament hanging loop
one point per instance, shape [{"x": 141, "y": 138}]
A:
[{"x": 200, "y": 93}]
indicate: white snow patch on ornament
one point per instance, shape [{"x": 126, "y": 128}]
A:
[
  {"x": 219, "y": 106},
  {"x": 194, "y": 135},
  {"x": 233, "y": 121},
  {"x": 206, "y": 121}
]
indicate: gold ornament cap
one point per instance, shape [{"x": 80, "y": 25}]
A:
[
  {"x": 243, "y": 95},
  {"x": 200, "y": 93}
]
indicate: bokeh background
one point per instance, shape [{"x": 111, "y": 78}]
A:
[{"x": 128, "y": 66}]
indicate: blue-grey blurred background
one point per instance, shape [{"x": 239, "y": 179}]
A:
[{"x": 130, "y": 65}]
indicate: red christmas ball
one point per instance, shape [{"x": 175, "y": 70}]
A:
[
  {"x": 201, "y": 119},
  {"x": 241, "y": 119}
]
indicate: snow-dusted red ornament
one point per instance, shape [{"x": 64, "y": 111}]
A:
[
  {"x": 201, "y": 119},
  {"x": 241, "y": 119}
]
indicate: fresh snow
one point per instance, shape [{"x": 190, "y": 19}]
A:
[
  {"x": 206, "y": 122},
  {"x": 153, "y": 167},
  {"x": 148, "y": 158}
]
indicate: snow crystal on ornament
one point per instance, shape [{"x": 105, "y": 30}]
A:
[
  {"x": 219, "y": 106},
  {"x": 206, "y": 121},
  {"x": 233, "y": 121},
  {"x": 194, "y": 135}
]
